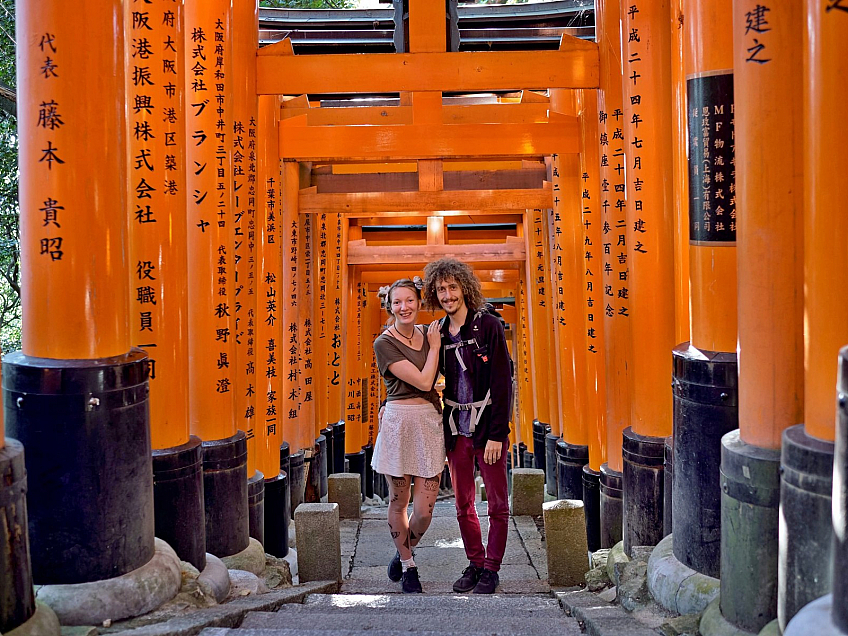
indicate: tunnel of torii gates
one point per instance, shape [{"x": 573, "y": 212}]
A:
[{"x": 202, "y": 243}]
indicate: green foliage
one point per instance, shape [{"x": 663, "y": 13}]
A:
[
  {"x": 10, "y": 292},
  {"x": 307, "y": 4}
]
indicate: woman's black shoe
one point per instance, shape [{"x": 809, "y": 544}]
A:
[
  {"x": 395, "y": 569},
  {"x": 411, "y": 584},
  {"x": 468, "y": 580}
]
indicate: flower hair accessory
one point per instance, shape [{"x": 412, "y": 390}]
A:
[
  {"x": 419, "y": 284},
  {"x": 383, "y": 292}
]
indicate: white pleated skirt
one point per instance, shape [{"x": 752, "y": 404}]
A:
[{"x": 410, "y": 441}]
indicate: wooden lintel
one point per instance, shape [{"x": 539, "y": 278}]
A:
[
  {"x": 513, "y": 252},
  {"x": 427, "y": 141},
  {"x": 575, "y": 65},
  {"x": 528, "y": 178},
  {"x": 506, "y": 278},
  {"x": 530, "y": 113},
  {"x": 368, "y": 203}
]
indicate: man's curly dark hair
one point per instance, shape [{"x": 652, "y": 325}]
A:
[{"x": 446, "y": 269}]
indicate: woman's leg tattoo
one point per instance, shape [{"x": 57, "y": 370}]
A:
[
  {"x": 397, "y": 517},
  {"x": 424, "y": 499}
]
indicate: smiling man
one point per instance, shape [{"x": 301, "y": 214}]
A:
[{"x": 478, "y": 401}]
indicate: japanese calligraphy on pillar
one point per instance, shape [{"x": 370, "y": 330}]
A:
[
  {"x": 49, "y": 126},
  {"x": 157, "y": 205},
  {"x": 269, "y": 307},
  {"x": 712, "y": 163},
  {"x": 335, "y": 352},
  {"x": 613, "y": 212},
  {"x": 353, "y": 371},
  {"x": 291, "y": 327},
  {"x": 210, "y": 215},
  {"x": 756, "y": 27},
  {"x": 306, "y": 303}
]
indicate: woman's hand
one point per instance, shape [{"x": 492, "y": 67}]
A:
[{"x": 434, "y": 336}]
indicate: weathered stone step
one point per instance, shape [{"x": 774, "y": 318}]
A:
[
  {"x": 445, "y": 604},
  {"x": 401, "y": 621},
  {"x": 342, "y": 631}
]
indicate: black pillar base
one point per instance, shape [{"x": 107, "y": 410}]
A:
[
  {"x": 356, "y": 464},
  {"x": 446, "y": 478},
  {"x": 514, "y": 455},
  {"x": 642, "y": 495},
  {"x": 225, "y": 495},
  {"x": 339, "y": 447},
  {"x": 369, "y": 472},
  {"x": 381, "y": 487},
  {"x": 85, "y": 425},
  {"x": 551, "y": 464},
  {"x": 570, "y": 461},
  {"x": 17, "y": 598},
  {"x": 750, "y": 495},
  {"x": 297, "y": 479},
  {"x": 840, "y": 499},
  {"x": 668, "y": 484},
  {"x": 706, "y": 408},
  {"x": 256, "y": 506},
  {"x": 178, "y": 500},
  {"x": 592, "y": 507},
  {"x": 327, "y": 432},
  {"x": 611, "y": 506},
  {"x": 804, "y": 548},
  {"x": 522, "y": 455},
  {"x": 321, "y": 459},
  {"x": 539, "y": 432},
  {"x": 277, "y": 515}
]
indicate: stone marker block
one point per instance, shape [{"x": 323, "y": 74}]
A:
[
  {"x": 565, "y": 540},
  {"x": 345, "y": 490},
  {"x": 528, "y": 491},
  {"x": 319, "y": 552}
]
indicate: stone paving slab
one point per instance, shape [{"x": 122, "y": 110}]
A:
[
  {"x": 449, "y": 603},
  {"x": 356, "y": 632},
  {"x": 452, "y": 624},
  {"x": 384, "y": 586},
  {"x": 600, "y": 618},
  {"x": 429, "y": 605}
]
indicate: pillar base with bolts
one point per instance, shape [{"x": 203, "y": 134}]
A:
[
  {"x": 611, "y": 506},
  {"x": 297, "y": 480},
  {"x": 642, "y": 495},
  {"x": 569, "y": 469},
  {"x": 539, "y": 450},
  {"x": 551, "y": 464},
  {"x": 225, "y": 495},
  {"x": 705, "y": 393},
  {"x": 592, "y": 507},
  {"x": 804, "y": 545},
  {"x": 356, "y": 464},
  {"x": 85, "y": 425},
  {"x": 17, "y": 602},
  {"x": 178, "y": 500},
  {"x": 277, "y": 515},
  {"x": 285, "y": 469},
  {"x": 369, "y": 472},
  {"x": 339, "y": 447},
  {"x": 668, "y": 484},
  {"x": 840, "y": 499},
  {"x": 750, "y": 494},
  {"x": 256, "y": 506},
  {"x": 327, "y": 432}
]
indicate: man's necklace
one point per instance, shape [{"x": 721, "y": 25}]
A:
[{"x": 407, "y": 338}]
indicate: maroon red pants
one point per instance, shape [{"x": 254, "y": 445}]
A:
[{"x": 461, "y": 463}]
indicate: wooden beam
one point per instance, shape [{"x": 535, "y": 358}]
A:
[
  {"x": 426, "y": 141},
  {"x": 507, "y": 278},
  {"x": 411, "y": 218},
  {"x": 528, "y": 113},
  {"x": 436, "y": 230},
  {"x": 408, "y": 181},
  {"x": 368, "y": 203},
  {"x": 574, "y": 66},
  {"x": 512, "y": 251}
]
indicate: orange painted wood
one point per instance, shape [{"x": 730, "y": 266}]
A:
[
  {"x": 373, "y": 203},
  {"x": 424, "y": 141},
  {"x": 593, "y": 327},
  {"x": 71, "y": 108},
  {"x": 321, "y": 308},
  {"x": 353, "y": 349},
  {"x": 613, "y": 229},
  {"x": 269, "y": 344},
  {"x": 435, "y": 230},
  {"x": 712, "y": 268},
  {"x": 291, "y": 247},
  {"x": 538, "y": 292},
  {"x": 770, "y": 203},
  {"x": 307, "y": 284},
  {"x": 210, "y": 222},
  {"x": 426, "y": 26},
  {"x": 336, "y": 284},
  {"x": 825, "y": 225},
  {"x": 524, "y": 373},
  {"x": 245, "y": 160},
  {"x": 362, "y": 254},
  {"x": 430, "y": 175},
  {"x": 158, "y": 219},
  {"x": 576, "y": 66},
  {"x": 390, "y": 115}
]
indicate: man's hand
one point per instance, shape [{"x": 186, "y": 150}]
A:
[{"x": 492, "y": 452}]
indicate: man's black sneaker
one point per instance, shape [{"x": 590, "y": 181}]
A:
[
  {"x": 468, "y": 580},
  {"x": 488, "y": 582},
  {"x": 395, "y": 569},
  {"x": 410, "y": 583}
]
